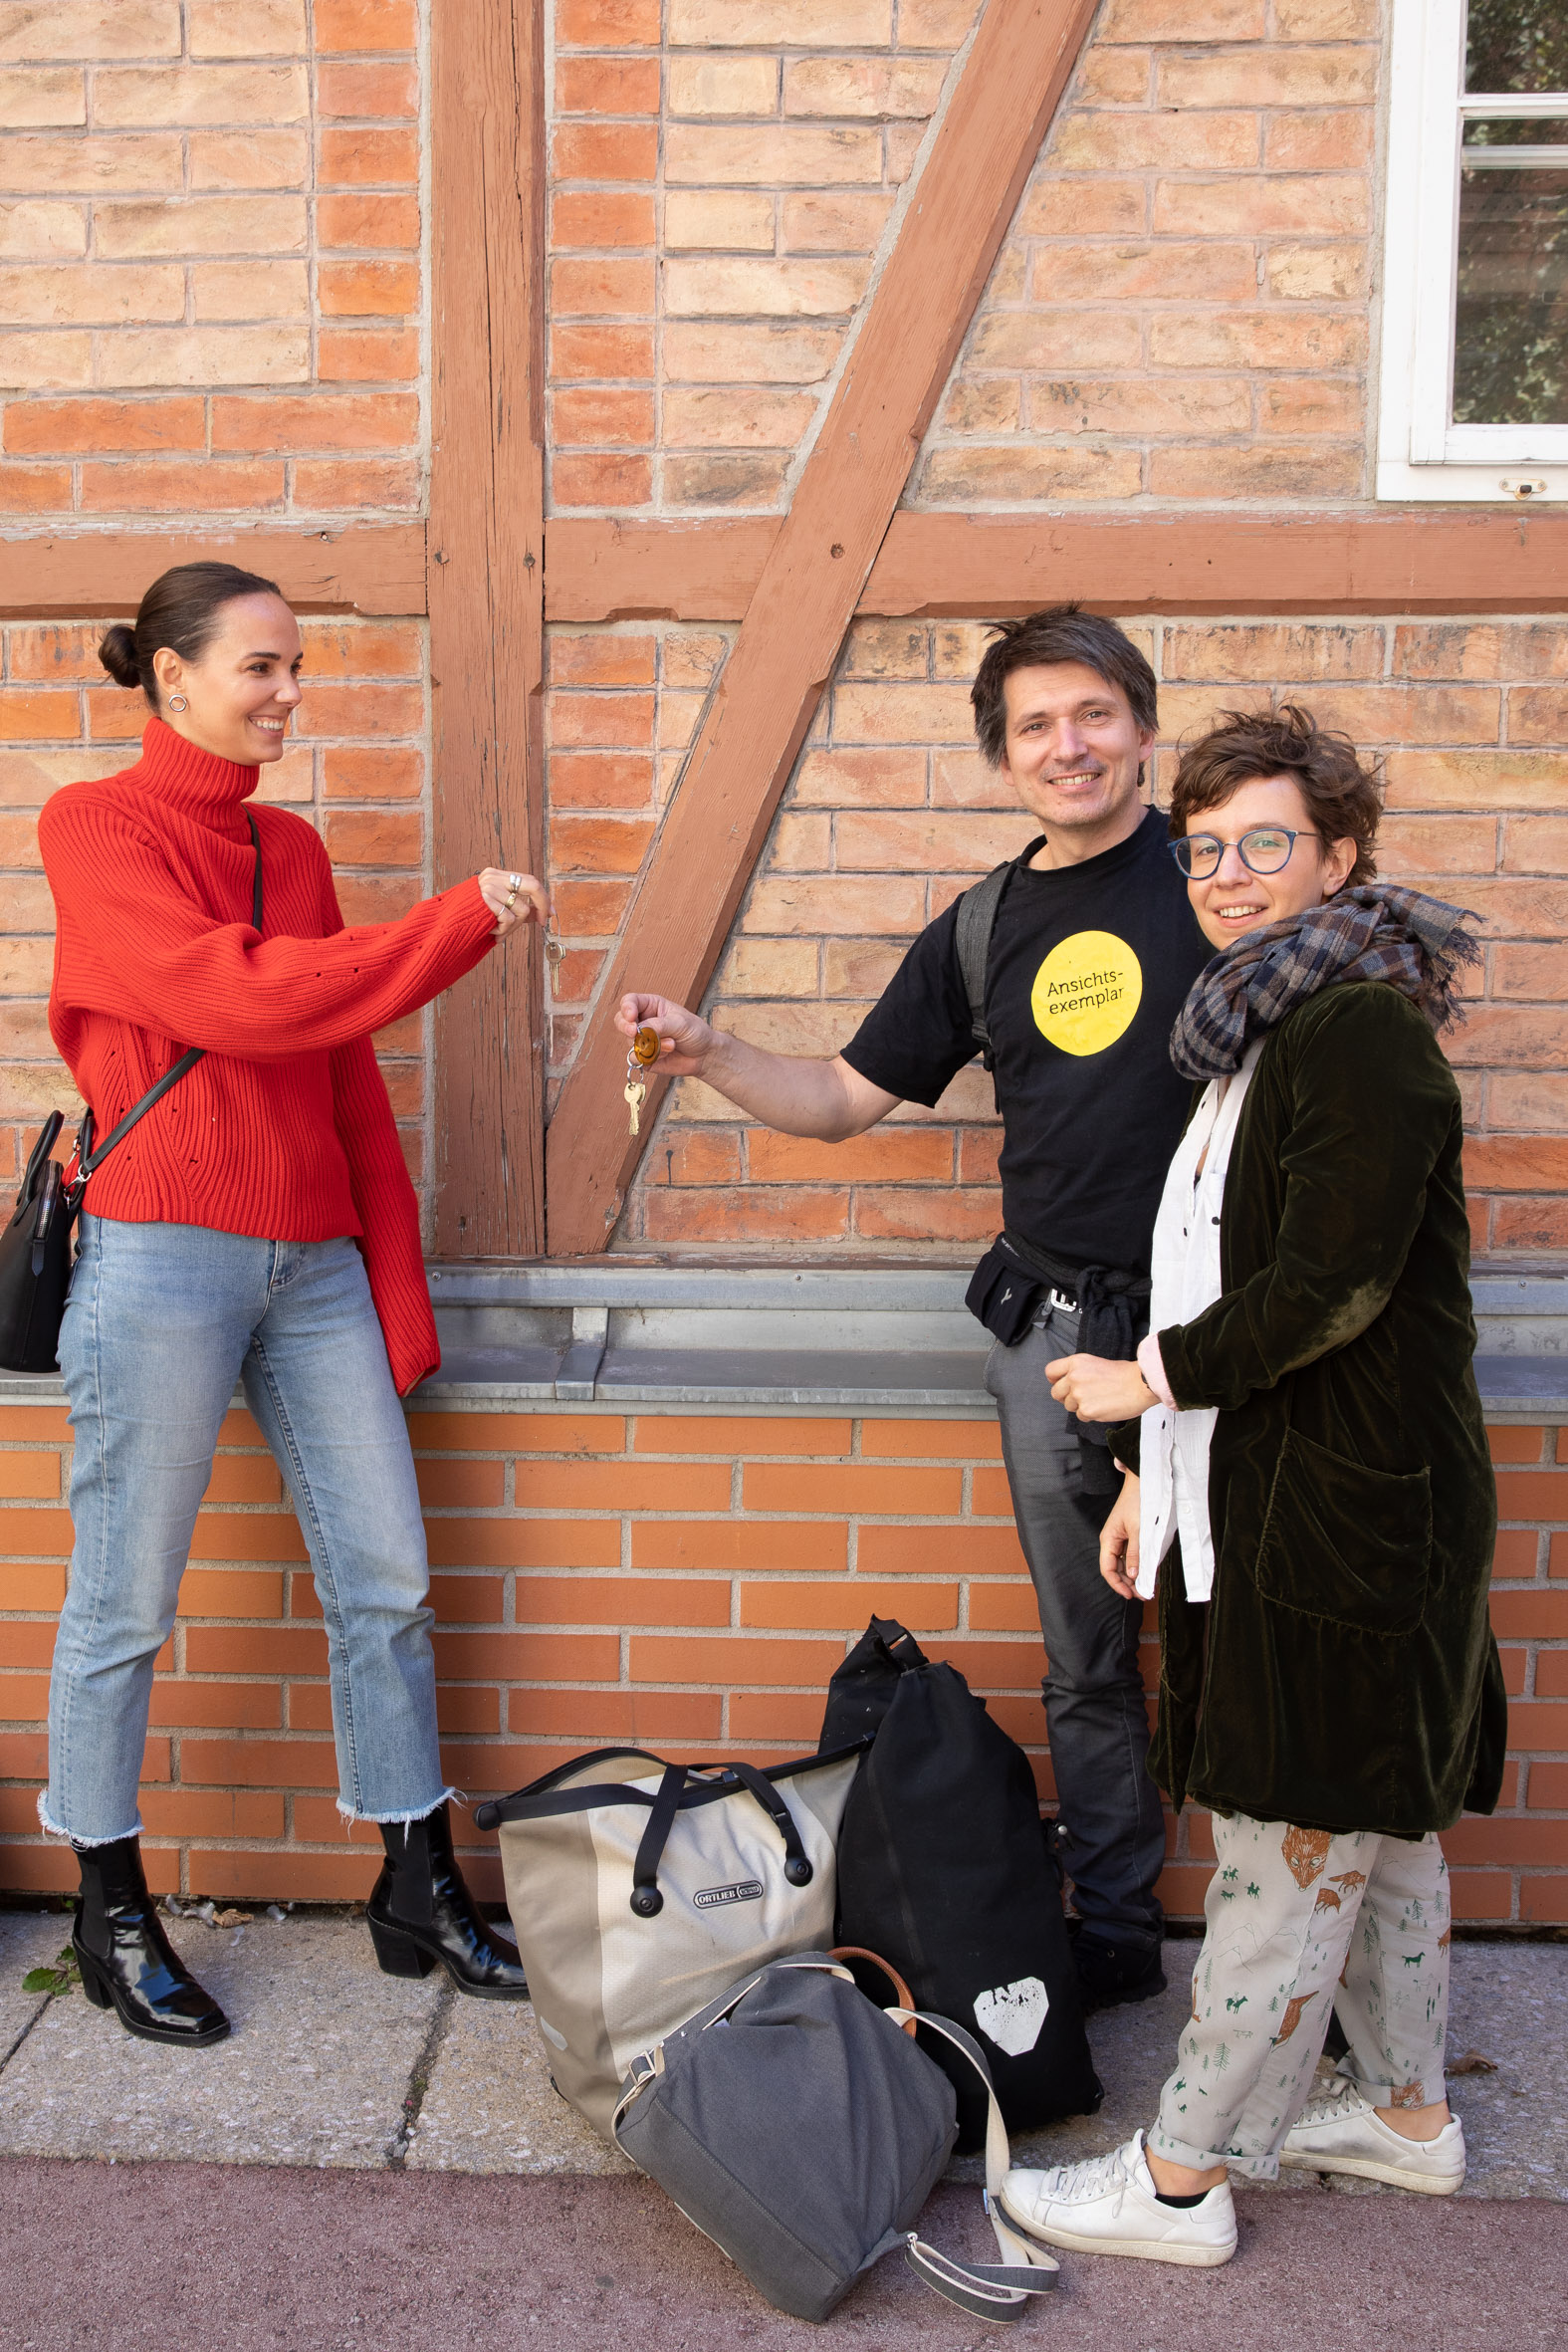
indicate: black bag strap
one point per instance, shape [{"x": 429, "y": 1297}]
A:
[
  {"x": 647, "y": 1899},
  {"x": 977, "y": 919},
  {"x": 87, "y": 1160},
  {"x": 798, "y": 1868}
]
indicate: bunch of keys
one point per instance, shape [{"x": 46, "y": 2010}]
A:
[{"x": 645, "y": 1053}]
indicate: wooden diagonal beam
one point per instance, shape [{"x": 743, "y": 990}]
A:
[{"x": 713, "y": 831}]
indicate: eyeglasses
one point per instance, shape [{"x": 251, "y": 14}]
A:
[{"x": 1265, "y": 851}]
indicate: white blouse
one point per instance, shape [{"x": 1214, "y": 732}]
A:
[{"x": 1185, "y": 1272}]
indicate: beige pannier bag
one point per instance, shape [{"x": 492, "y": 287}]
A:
[{"x": 640, "y": 1891}]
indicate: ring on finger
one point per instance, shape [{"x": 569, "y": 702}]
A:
[
  {"x": 511, "y": 897},
  {"x": 517, "y": 883}
]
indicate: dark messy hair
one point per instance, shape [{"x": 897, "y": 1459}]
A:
[
  {"x": 1341, "y": 791},
  {"x": 180, "y": 610},
  {"x": 1062, "y": 633}
]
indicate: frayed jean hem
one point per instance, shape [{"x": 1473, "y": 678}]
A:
[
  {"x": 54, "y": 1829},
  {"x": 398, "y": 1821}
]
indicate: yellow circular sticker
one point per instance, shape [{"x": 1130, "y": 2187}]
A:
[{"x": 1086, "y": 991}]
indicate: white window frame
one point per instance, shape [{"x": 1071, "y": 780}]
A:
[{"x": 1421, "y": 455}]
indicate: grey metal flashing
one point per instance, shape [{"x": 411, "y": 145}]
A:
[{"x": 605, "y": 1335}]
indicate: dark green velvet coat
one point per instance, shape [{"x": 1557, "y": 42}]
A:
[{"x": 1343, "y": 1674}]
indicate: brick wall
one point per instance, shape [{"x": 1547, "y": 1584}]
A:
[
  {"x": 687, "y": 1582},
  {"x": 891, "y": 811}
]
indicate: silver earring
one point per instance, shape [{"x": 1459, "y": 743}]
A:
[{"x": 177, "y": 702}]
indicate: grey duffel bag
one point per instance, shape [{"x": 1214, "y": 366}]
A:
[{"x": 803, "y": 2130}]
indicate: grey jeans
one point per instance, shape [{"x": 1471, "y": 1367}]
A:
[{"x": 1095, "y": 1712}]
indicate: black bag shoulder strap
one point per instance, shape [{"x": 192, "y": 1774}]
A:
[
  {"x": 87, "y": 1159},
  {"x": 977, "y": 919}
]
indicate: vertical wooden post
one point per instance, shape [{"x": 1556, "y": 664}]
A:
[{"x": 486, "y": 600}]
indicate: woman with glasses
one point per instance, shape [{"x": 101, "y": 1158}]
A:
[{"x": 1308, "y": 1478}]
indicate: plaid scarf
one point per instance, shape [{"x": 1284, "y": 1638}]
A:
[{"x": 1414, "y": 943}]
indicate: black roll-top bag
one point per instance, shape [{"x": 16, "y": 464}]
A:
[
  {"x": 945, "y": 1870},
  {"x": 35, "y": 1247}
]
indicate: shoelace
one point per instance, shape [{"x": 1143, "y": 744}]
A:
[
  {"x": 1328, "y": 2106},
  {"x": 1097, "y": 2176}
]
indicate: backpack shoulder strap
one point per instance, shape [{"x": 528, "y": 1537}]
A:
[{"x": 977, "y": 919}]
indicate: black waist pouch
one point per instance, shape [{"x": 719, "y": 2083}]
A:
[{"x": 1002, "y": 1294}]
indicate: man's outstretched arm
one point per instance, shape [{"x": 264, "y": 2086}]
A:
[{"x": 797, "y": 1095}]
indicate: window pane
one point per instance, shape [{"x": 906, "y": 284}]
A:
[
  {"x": 1510, "y": 340},
  {"x": 1516, "y": 44},
  {"x": 1517, "y": 131}
]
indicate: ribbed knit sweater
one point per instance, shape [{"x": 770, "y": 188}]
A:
[{"x": 285, "y": 1129}]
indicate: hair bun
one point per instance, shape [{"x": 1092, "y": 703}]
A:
[{"x": 116, "y": 650}]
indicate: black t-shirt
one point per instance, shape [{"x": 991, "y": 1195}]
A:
[{"x": 1089, "y": 965}]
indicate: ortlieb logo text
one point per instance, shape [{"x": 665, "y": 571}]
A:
[{"x": 744, "y": 1890}]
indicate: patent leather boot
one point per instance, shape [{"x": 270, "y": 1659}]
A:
[
  {"x": 128, "y": 1963},
  {"x": 420, "y": 1911}
]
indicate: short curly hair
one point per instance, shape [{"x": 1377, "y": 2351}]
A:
[{"x": 1343, "y": 793}]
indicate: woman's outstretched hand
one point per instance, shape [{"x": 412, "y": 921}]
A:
[
  {"x": 1095, "y": 1388},
  {"x": 512, "y": 898},
  {"x": 1119, "y": 1541}
]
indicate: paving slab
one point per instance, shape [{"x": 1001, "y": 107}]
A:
[
  {"x": 315, "y": 2072},
  {"x": 28, "y": 1940},
  {"x": 491, "y": 2107}
]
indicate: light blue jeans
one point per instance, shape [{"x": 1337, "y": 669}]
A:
[{"x": 161, "y": 1322}]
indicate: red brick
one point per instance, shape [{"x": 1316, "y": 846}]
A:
[
  {"x": 606, "y": 151},
  {"x": 1533, "y": 1615},
  {"x": 846, "y": 1606},
  {"x": 277, "y": 1874},
  {"x": 599, "y": 844},
  {"x": 330, "y": 420},
  {"x": 1516, "y": 1552},
  {"x": 524, "y": 1542},
  {"x": 1538, "y": 1495},
  {"x": 598, "y": 659},
  {"x": 1535, "y": 1725},
  {"x": 450, "y": 1484},
  {"x": 1550, "y": 1786},
  {"x": 35, "y": 1533},
  {"x": 856, "y": 1487},
  {"x": 519, "y": 1433},
  {"x": 752, "y": 1212},
  {"x": 47, "y": 1869},
  {"x": 216, "y": 1706},
  {"x": 674, "y": 1434},
  {"x": 369, "y": 159},
  {"x": 231, "y": 1593},
  {"x": 621, "y": 1600},
  {"x": 36, "y": 1476},
  {"x": 740, "y": 1545},
  {"x": 589, "y": 1716},
  {"x": 366, "y": 91},
  {"x": 375, "y": 218},
  {"x": 253, "y": 1535},
  {"x": 37, "y": 1422},
  {"x": 467, "y": 1600},
  {"x": 927, "y": 1551},
  {"x": 254, "y": 1649},
  {"x": 1551, "y": 1674},
  {"x": 97, "y": 426},
  {"x": 354, "y": 26},
  {"x": 257, "y": 1764},
  {"x": 212, "y": 1813},
  {"x": 791, "y": 1716},
  {"x": 1515, "y": 1445},
  {"x": 612, "y": 1486},
  {"x": 35, "y": 1585},
  {"x": 1544, "y": 1901},
  {"x": 599, "y": 217},
  {"x": 1503, "y": 1841},
  {"x": 367, "y": 354},
  {"x": 607, "y": 23},
  {"x": 527, "y": 1657},
  {"x": 582, "y": 354},
  {"x": 606, "y": 85},
  {"x": 1481, "y": 1893},
  {"x": 932, "y": 1440},
  {"x": 733, "y": 1662},
  {"x": 905, "y": 1154},
  {"x": 318, "y": 1821},
  {"x": 1004, "y": 1608}
]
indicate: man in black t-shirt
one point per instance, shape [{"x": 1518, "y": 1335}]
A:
[{"x": 1092, "y": 950}]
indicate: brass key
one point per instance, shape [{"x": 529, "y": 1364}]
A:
[{"x": 636, "y": 1093}]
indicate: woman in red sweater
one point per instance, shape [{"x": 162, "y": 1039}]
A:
[{"x": 257, "y": 1224}]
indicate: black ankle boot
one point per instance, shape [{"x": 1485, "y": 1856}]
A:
[
  {"x": 128, "y": 1963},
  {"x": 420, "y": 1911}
]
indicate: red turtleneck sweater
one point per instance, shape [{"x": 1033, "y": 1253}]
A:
[{"x": 285, "y": 1129}]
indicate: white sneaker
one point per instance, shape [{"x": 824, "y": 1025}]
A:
[
  {"x": 1109, "y": 2205},
  {"x": 1340, "y": 2131}
]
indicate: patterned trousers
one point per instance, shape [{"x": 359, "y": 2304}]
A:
[{"x": 1302, "y": 1921}]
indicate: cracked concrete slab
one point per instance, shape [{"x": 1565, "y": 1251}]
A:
[
  {"x": 491, "y": 2106},
  {"x": 314, "y": 2072}
]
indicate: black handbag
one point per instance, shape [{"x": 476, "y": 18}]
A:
[{"x": 35, "y": 1248}]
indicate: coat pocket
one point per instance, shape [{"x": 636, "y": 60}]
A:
[{"x": 1346, "y": 1543}]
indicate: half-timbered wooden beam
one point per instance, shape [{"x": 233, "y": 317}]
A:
[
  {"x": 367, "y": 567},
  {"x": 955, "y": 219},
  {"x": 486, "y": 601},
  {"x": 951, "y": 565}
]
